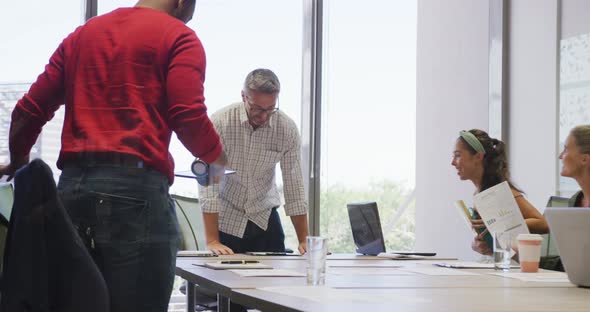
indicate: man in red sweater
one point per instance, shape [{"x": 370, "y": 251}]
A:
[{"x": 127, "y": 79}]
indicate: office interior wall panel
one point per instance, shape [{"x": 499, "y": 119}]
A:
[
  {"x": 452, "y": 95},
  {"x": 533, "y": 81}
]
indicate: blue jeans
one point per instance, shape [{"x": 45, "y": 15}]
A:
[{"x": 127, "y": 220}]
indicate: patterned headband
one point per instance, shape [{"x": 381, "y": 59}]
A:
[{"x": 472, "y": 141}]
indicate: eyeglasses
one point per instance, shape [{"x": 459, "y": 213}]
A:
[{"x": 257, "y": 110}]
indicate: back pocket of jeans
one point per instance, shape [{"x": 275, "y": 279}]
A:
[{"x": 120, "y": 219}]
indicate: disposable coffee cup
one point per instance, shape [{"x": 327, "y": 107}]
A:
[{"x": 529, "y": 252}]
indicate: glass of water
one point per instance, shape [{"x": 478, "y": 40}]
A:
[
  {"x": 317, "y": 248},
  {"x": 502, "y": 250}
]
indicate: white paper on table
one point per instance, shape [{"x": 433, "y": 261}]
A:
[
  {"x": 499, "y": 210},
  {"x": 470, "y": 265},
  {"x": 367, "y": 271},
  {"x": 326, "y": 294},
  {"x": 437, "y": 271},
  {"x": 227, "y": 265},
  {"x": 544, "y": 277},
  {"x": 267, "y": 272},
  {"x": 395, "y": 256},
  {"x": 367, "y": 264}
]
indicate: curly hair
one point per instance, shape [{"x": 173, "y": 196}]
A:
[{"x": 495, "y": 161}]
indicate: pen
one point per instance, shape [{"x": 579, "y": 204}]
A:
[{"x": 239, "y": 261}]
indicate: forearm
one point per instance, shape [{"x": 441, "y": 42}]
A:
[
  {"x": 537, "y": 226},
  {"x": 24, "y": 131},
  {"x": 211, "y": 221},
  {"x": 301, "y": 228}
]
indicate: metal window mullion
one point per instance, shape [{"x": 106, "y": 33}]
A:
[
  {"x": 498, "y": 70},
  {"x": 311, "y": 106},
  {"x": 90, "y": 9}
]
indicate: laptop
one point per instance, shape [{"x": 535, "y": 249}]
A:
[
  {"x": 570, "y": 227},
  {"x": 368, "y": 236},
  {"x": 366, "y": 228}
]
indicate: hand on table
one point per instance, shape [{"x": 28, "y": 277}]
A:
[
  {"x": 302, "y": 248},
  {"x": 219, "y": 248}
]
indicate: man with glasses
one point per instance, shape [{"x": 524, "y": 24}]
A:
[{"x": 240, "y": 214}]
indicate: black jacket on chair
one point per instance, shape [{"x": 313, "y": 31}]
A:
[{"x": 46, "y": 266}]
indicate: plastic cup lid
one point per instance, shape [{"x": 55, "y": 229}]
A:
[{"x": 529, "y": 237}]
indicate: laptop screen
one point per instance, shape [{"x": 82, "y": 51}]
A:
[
  {"x": 366, "y": 228},
  {"x": 570, "y": 228}
]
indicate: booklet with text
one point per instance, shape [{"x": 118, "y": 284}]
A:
[{"x": 499, "y": 210}]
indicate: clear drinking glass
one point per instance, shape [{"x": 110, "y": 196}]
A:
[
  {"x": 317, "y": 249},
  {"x": 502, "y": 250}
]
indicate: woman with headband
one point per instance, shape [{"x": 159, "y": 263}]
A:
[{"x": 483, "y": 161}]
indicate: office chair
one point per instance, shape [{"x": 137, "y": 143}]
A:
[
  {"x": 190, "y": 221},
  {"x": 46, "y": 266},
  {"x": 192, "y": 230},
  {"x": 550, "y": 259},
  {"x": 549, "y": 248}
]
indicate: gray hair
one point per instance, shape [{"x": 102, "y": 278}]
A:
[
  {"x": 581, "y": 135},
  {"x": 262, "y": 80}
]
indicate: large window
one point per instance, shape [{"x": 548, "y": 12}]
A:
[
  {"x": 368, "y": 95},
  {"x": 574, "y": 95},
  {"x": 26, "y": 50},
  {"x": 239, "y": 36},
  {"x": 368, "y": 117}
]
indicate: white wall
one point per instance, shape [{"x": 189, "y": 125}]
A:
[
  {"x": 452, "y": 95},
  {"x": 532, "y": 99},
  {"x": 574, "y": 17}
]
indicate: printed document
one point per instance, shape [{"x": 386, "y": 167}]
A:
[{"x": 499, "y": 211}]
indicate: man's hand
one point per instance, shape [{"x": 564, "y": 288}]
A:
[
  {"x": 219, "y": 248},
  {"x": 10, "y": 169},
  {"x": 302, "y": 247}
]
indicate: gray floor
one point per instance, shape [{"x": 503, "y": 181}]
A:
[{"x": 177, "y": 300}]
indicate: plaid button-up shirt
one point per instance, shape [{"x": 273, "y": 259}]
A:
[{"x": 251, "y": 193}]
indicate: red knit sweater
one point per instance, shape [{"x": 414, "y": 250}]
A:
[{"x": 128, "y": 79}]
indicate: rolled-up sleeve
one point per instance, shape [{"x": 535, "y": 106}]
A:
[
  {"x": 295, "y": 203},
  {"x": 209, "y": 198}
]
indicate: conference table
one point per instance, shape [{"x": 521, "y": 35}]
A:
[{"x": 366, "y": 283}]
